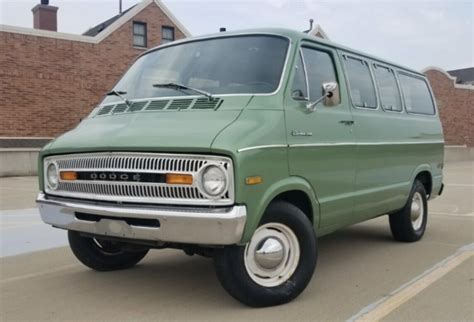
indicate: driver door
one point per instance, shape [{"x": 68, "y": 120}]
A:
[{"x": 321, "y": 143}]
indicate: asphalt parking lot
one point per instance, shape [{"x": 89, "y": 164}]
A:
[{"x": 362, "y": 273}]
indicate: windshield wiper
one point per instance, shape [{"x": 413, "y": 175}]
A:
[
  {"x": 181, "y": 88},
  {"x": 120, "y": 95}
]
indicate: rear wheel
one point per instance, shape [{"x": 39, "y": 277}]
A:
[
  {"x": 103, "y": 255},
  {"x": 409, "y": 224},
  {"x": 278, "y": 262}
]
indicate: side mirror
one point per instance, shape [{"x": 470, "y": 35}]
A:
[{"x": 330, "y": 96}]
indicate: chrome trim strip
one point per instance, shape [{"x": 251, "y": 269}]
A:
[
  {"x": 257, "y": 147},
  {"x": 302, "y": 145},
  {"x": 207, "y": 226}
]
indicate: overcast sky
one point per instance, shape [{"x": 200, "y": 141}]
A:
[{"x": 414, "y": 33}]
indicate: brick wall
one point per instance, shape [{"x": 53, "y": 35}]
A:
[
  {"x": 456, "y": 108},
  {"x": 47, "y": 85}
]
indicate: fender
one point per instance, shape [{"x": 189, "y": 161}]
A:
[
  {"x": 287, "y": 184},
  {"x": 418, "y": 169}
]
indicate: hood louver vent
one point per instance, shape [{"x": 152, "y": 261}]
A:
[
  {"x": 180, "y": 104},
  {"x": 177, "y": 104},
  {"x": 105, "y": 110},
  {"x": 157, "y": 105},
  {"x": 120, "y": 108},
  {"x": 137, "y": 106},
  {"x": 204, "y": 103}
]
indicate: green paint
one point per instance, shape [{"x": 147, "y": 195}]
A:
[{"x": 367, "y": 172}]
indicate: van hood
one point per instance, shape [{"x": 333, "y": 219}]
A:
[{"x": 163, "y": 131}]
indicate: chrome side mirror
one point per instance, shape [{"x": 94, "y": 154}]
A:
[{"x": 330, "y": 96}]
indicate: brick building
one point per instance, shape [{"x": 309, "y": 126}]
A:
[
  {"x": 49, "y": 80},
  {"x": 455, "y": 100}
]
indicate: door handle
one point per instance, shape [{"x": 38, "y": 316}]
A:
[{"x": 346, "y": 122}]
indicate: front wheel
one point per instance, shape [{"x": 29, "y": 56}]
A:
[
  {"x": 278, "y": 262},
  {"x": 103, "y": 255}
]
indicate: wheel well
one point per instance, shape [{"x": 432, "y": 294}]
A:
[
  {"x": 425, "y": 178},
  {"x": 299, "y": 199}
]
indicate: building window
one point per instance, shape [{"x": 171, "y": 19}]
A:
[
  {"x": 167, "y": 34},
  {"x": 139, "y": 34}
]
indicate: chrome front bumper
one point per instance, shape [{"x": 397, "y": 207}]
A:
[{"x": 209, "y": 226}]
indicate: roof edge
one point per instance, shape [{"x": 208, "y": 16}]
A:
[
  {"x": 102, "y": 35},
  {"x": 445, "y": 73}
]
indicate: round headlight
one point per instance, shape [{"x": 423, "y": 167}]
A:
[
  {"x": 213, "y": 180},
  {"x": 52, "y": 176}
]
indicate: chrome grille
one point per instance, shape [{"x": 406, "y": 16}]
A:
[{"x": 140, "y": 192}]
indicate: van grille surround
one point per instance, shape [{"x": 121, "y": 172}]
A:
[
  {"x": 138, "y": 178},
  {"x": 161, "y": 104}
]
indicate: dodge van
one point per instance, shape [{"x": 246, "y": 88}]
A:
[{"x": 245, "y": 147}]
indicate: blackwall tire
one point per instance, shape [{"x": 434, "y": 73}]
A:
[
  {"x": 94, "y": 254},
  {"x": 409, "y": 224},
  {"x": 283, "y": 225}
]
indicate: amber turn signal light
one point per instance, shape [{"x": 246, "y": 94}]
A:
[
  {"x": 253, "y": 180},
  {"x": 68, "y": 175},
  {"x": 175, "y": 178}
]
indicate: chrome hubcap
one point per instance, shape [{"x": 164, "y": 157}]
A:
[
  {"x": 417, "y": 211},
  {"x": 270, "y": 254},
  {"x": 273, "y": 254}
]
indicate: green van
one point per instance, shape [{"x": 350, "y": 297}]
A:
[{"x": 245, "y": 147}]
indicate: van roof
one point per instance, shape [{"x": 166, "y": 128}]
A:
[{"x": 294, "y": 36}]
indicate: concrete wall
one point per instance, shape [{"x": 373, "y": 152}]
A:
[
  {"x": 18, "y": 162},
  {"x": 23, "y": 162},
  {"x": 454, "y": 153}
]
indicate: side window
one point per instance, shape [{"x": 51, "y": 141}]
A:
[
  {"x": 298, "y": 89},
  {"x": 416, "y": 94},
  {"x": 320, "y": 69},
  {"x": 388, "y": 89},
  {"x": 360, "y": 83}
]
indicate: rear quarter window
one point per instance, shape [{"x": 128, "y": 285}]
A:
[{"x": 416, "y": 94}]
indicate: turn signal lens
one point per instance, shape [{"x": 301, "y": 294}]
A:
[
  {"x": 253, "y": 180},
  {"x": 175, "y": 178},
  {"x": 68, "y": 175}
]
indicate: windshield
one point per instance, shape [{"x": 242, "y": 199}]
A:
[{"x": 231, "y": 65}]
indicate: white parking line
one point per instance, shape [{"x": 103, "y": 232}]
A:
[
  {"x": 381, "y": 308},
  {"x": 450, "y": 214},
  {"x": 459, "y": 184}
]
